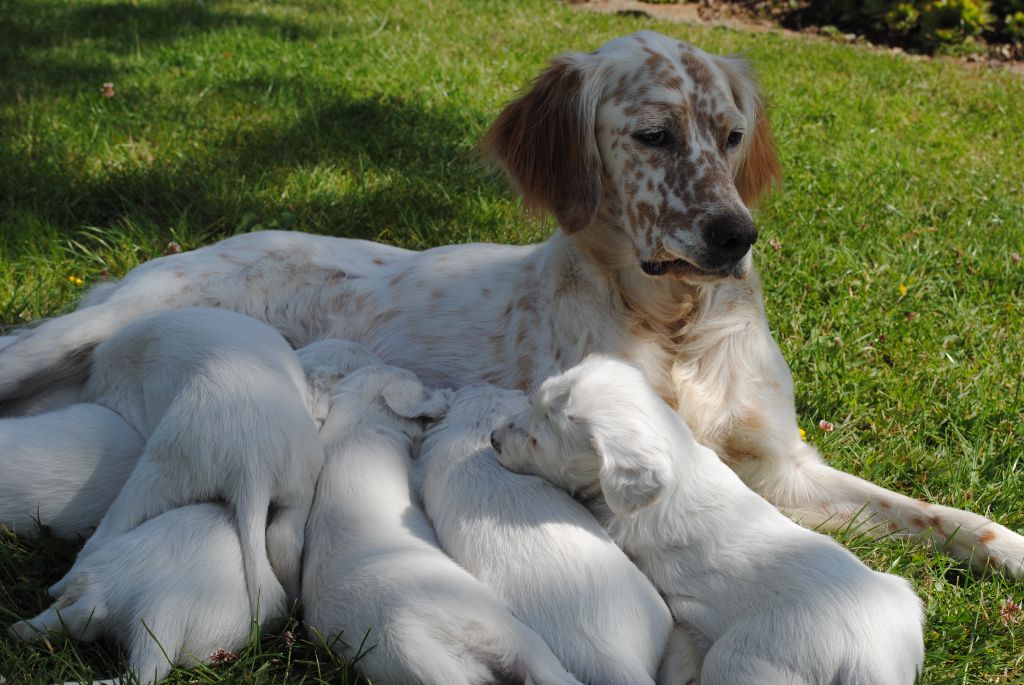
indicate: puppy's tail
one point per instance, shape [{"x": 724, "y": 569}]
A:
[{"x": 267, "y": 598}]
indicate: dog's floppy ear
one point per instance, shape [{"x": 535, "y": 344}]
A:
[
  {"x": 408, "y": 398},
  {"x": 636, "y": 467},
  {"x": 758, "y": 168},
  {"x": 545, "y": 140}
]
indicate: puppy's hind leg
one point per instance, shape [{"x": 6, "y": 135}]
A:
[
  {"x": 82, "y": 618},
  {"x": 284, "y": 546},
  {"x": 150, "y": 490},
  {"x": 683, "y": 658},
  {"x": 728, "y": 663},
  {"x": 153, "y": 651}
]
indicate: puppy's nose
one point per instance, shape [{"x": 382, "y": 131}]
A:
[
  {"x": 729, "y": 236},
  {"x": 495, "y": 442}
]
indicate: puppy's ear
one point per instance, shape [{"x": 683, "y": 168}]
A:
[
  {"x": 635, "y": 470},
  {"x": 545, "y": 140},
  {"x": 408, "y": 398},
  {"x": 758, "y": 168}
]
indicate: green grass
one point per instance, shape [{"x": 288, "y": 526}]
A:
[{"x": 360, "y": 118}]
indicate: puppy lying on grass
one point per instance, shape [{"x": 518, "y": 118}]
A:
[
  {"x": 222, "y": 405},
  {"x": 170, "y": 591},
  {"x": 375, "y": 581},
  {"x": 779, "y": 605},
  {"x": 542, "y": 553}
]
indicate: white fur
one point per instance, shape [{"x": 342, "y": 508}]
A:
[
  {"x": 374, "y": 577},
  {"x": 223, "y": 404},
  {"x": 540, "y": 551},
  {"x": 64, "y": 468},
  {"x": 514, "y": 316},
  {"x": 170, "y": 591},
  {"x": 781, "y": 605}
]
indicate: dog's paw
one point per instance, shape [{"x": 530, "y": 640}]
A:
[{"x": 24, "y": 631}]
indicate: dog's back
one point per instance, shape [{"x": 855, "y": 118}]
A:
[{"x": 538, "y": 549}]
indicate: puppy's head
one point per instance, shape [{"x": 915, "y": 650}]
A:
[
  {"x": 664, "y": 140},
  {"x": 595, "y": 427},
  {"x": 379, "y": 392}
]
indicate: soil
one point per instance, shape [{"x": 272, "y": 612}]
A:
[{"x": 739, "y": 18}]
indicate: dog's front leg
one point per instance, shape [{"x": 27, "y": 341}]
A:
[{"x": 736, "y": 393}]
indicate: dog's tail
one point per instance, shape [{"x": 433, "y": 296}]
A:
[{"x": 267, "y": 597}]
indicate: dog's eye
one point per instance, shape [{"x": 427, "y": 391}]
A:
[
  {"x": 654, "y": 138},
  {"x": 733, "y": 139}
]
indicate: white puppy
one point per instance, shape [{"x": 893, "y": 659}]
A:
[
  {"x": 374, "y": 576},
  {"x": 63, "y": 465},
  {"x": 223, "y": 404},
  {"x": 63, "y": 468},
  {"x": 170, "y": 591},
  {"x": 542, "y": 552},
  {"x": 782, "y": 605}
]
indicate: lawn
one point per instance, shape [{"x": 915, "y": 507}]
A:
[{"x": 890, "y": 256}]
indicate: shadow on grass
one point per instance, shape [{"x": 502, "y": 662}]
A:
[
  {"x": 49, "y": 47},
  {"x": 402, "y": 166}
]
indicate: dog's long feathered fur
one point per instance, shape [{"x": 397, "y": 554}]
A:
[{"x": 660, "y": 149}]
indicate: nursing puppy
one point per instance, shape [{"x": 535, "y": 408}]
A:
[
  {"x": 171, "y": 592},
  {"x": 374, "y": 576},
  {"x": 223, "y": 404},
  {"x": 542, "y": 553},
  {"x": 62, "y": 466},
  {"x": 780, "y": 604}
]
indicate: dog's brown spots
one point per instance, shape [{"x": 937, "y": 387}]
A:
[
  {"x": 754, "y": 420},
  {"x": 987, "y": 537},
  {"x": 882, "y": 504},
  {"x": 180, "y": 273},
  {"x": 378, "y": 261},
  {"x": 486, "y": 292},
  {"x": 673, "y": 83},
  {"x": 918, "y": 522},
  {"x": 397, "y": 278}
]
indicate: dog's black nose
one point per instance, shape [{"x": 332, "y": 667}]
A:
[
  {"x": 729, "y": 236},
  {"x": 494, "y": 442}
]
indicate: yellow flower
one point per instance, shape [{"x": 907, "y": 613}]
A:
[
  {"x": 803, "y": 435},
  {"x": 76, "y": 280},
  {"x": 903, "y": 290}
]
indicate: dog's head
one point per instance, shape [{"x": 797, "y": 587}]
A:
[
  {"x": 378, "y": 392},
  {"x": 666, "y": 141},
  {"x": 596, "y": 426}
]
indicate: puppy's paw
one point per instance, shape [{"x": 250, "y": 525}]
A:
[{"x": 24, "y": 631}]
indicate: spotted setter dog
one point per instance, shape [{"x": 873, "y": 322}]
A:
[{"x": 649, "y": 153}]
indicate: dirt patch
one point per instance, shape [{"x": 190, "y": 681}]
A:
[{"x": 737, "y": 18}]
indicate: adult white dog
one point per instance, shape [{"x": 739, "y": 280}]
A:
[
  {"x": 223, "y": 405},
  {"x": 170, "y": 591},
  {"x": 648, "y": 151},
  {"x": 542, "y": 553},
  {"x": 780, "y": 604},
  {"x": 374, "y": 577}
]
